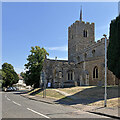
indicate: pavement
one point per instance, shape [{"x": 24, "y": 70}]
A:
[{"x": 104, "y": 111}]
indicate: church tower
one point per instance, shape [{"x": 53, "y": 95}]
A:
[{"x": 80, "y": 35}]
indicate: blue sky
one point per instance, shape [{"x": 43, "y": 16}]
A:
[{"x": 46, "y": 25}]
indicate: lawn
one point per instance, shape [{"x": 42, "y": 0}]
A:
[
  {"x": 110, "y": 103},
  {"x": 52, "y": 94},
  {"x": 89, "y": 95},
  {"x": 93, "y": 95},
  {"x": 74, "y": 90}
]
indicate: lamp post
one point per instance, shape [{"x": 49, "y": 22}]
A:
[{"x": 105, "y": 97}]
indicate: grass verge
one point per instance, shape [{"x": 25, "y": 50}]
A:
[
  {"x": 90, "y": 95},
  {"x": 52, "y": 94}
]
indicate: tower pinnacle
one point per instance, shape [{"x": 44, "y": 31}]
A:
[{"x": 81, "y": 14}]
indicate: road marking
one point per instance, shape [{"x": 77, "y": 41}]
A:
[
  {"x": 16, "y": 103},
  {"x": 8, "y": 99},
  {"x": 38, "y": 113}
]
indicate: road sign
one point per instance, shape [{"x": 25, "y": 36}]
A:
[{"x": 49, "y": 84}]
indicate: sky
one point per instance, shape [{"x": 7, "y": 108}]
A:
[
  {"x": 45, "y": 24},
  {"x": 119, "y": 7}
]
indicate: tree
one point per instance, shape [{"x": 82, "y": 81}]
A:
[
  {"x": 34, "y": 66},
  {"x": 2, "y": 77},
  {"x": 113, "y": 55},
  {"x": 22, "y": 74},
  {"x": 11, "y": 76}
]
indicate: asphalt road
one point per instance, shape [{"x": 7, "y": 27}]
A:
[{"x": 16, "y": 106}]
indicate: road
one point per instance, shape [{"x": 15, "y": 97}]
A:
[{"x": 16, "y": 106}]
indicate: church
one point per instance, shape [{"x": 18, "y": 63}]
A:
[{"x": 86, "y": 59}]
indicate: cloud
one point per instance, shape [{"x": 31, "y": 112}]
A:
[
  {"x": 58, "y": 58},
  {"x": 60, "y": 48}
]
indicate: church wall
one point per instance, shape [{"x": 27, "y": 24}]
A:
[
  {"x": 90, "y": 65},
  {"x": 110, "y": 78},
  {"x": 78, "y": 69},
  {"x": 101, "y": 73}
]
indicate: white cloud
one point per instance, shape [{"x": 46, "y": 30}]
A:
[
  {"x": 61, "y": 48},
  {"x": 58, "y": 58}
]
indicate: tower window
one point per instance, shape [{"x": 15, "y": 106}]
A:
[
  {"x": 85, "y": 33},
  {"x": 95, "y": 72}
]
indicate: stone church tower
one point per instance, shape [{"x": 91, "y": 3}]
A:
[
  {"x": 86, "y": 58},
  {"x": 80, "y": 35}
]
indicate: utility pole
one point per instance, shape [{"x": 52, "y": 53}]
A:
[{"x": 105, "y": 97}]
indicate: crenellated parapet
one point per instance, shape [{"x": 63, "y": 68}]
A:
[{"x": 77, "y": 22}]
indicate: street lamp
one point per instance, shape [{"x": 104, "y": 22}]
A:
[{"x": 105, "y": 97}]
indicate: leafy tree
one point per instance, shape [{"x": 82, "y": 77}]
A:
[
  {"x": 2, "y": 77},
  {"x": 113, "y": 55},
  {"x": 11, "y": 76},
  {"x": 34, "y": 66},
  {"x": 22, "y": 74}
]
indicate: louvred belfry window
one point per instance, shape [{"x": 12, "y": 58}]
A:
[{"x": 85, "y": 33}]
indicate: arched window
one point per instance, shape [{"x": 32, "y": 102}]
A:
[
  {"x": 93, "y": 53},
  {"x": 95, "y": 72},
  {"x": 70, "y": 75},
  {"x": 85, "y": 33}
]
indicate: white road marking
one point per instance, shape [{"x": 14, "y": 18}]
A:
[
  {"x": 16, "y": 103},
  {"x": 8, "y": 99},
  {"x": 38, "y": 113}
]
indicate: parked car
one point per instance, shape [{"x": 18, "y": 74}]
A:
[
  {"x": 14, "y": 88},
  {"x": 10, "y": 89}
]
